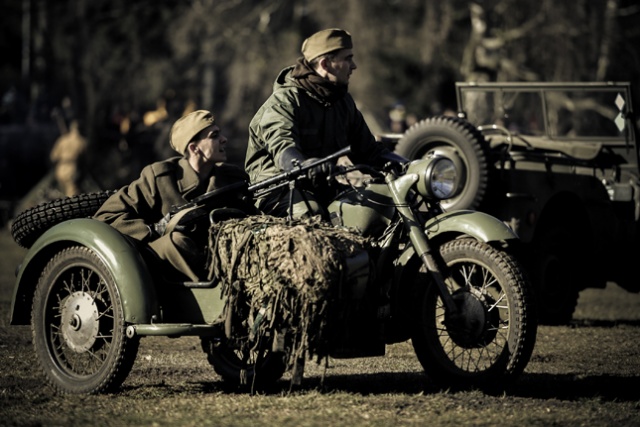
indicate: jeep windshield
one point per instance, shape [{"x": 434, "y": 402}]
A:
[{"x": 589, "y": 112}]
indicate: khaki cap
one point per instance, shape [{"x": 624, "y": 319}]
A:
[
  {"x": 326, "y": 41},
  {"x": 186, "y": 127}
]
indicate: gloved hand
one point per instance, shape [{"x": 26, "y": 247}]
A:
[
  {"x": 158, "y": 229},
  {"x": 393, "y": 161},
  {"x": 318, "y": 175}
]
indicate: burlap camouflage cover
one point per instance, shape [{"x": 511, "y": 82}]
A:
[{"x": 280, "y": 276}]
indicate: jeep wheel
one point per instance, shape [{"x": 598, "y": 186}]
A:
[
  {"x": 33, "y": 222},
  {"x": 451, "y": 137},
  {"x": 554, "y": 273}
]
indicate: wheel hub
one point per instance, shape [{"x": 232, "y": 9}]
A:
[
  {"x": 80, "y": 321},
  {"x": 473, "y": 325}
]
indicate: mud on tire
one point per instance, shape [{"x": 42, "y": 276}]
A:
[{"x": 29, "y": 225}]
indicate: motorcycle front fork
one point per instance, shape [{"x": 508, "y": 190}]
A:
[{"x": 399, "y": 187}]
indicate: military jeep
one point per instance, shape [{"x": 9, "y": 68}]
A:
[{"x": 558, "y": 162}]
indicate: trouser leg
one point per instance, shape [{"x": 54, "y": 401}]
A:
[
  {"x": 279, "y": 204},
  {"x": 182, "y": 253}
]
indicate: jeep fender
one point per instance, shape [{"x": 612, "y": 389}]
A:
[
  {"x": 479, "y": 225},
  {"x": 125, "y": 262}
]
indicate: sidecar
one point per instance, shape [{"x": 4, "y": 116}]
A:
[{"x": 89, "y": 294}]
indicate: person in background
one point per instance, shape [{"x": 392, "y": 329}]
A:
[
  {"x": 309, "y": 115},
  {"x": 200, "y": 168},
  {"x": 65, "y": 155}
]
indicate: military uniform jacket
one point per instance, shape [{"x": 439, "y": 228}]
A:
[
  {"x": 161, "y": 185},
  {"x": 293, "y": 117}
]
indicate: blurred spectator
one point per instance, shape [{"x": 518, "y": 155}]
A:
[
  {"x": 65, "y": 154},
  {"x": 398, "y": 118},
  {"x": 159, "y": 114}
]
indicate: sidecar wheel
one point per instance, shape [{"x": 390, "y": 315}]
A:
[
  {"x": 489, "y": 344},
  {"x": 244, "y": 368},
  {"x": 452, "y": 137},
  {"x": 32, "y": 223},
  {"x": 78, "y": 325}
]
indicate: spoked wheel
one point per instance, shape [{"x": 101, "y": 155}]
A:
[
  {"x": 78, "y": 325},
  {"x": 243, "y": 366},
  {"x": 488, "y": 342}
]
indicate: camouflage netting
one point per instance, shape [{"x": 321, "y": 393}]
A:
[{"x": 289, "y": 269}]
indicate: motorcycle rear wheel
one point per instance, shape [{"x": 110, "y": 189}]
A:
[
  {"x": 491, "y": 341},
  {"x": 254, "y": 368}
]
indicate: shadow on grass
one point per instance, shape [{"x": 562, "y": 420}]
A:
[
  {"x": 597, "y": 323},
  {"x": 605, "y": 388}
]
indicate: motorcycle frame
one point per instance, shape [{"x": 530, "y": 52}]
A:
[{"x": 477, "y": 225}]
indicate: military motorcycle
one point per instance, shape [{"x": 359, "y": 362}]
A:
[{"x": 447, "y": 281}]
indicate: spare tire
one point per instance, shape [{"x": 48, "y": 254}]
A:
[
  {"x": 452, "y": 136},
  {"x": 29, "y": 225}
]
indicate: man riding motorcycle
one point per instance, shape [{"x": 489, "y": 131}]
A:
[{"x": 310, "y": 114}]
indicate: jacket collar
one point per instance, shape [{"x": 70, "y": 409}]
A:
[{"x": 189, "y": 179}]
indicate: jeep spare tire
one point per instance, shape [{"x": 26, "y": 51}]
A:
[
  {"x": 29, "y": 225},
  {"x": 451, "y": 137}
]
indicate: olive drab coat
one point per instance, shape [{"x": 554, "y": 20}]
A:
[
  {"x": 293, "y": 117},
  {"x": 135, "y": 208}
]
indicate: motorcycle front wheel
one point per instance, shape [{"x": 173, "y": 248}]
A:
[
  {"x": 78, "y": 325},
  {"x": 488, "y": 341}
]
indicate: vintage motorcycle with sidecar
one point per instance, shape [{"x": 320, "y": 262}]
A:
[{"x": 447, "y": 281}]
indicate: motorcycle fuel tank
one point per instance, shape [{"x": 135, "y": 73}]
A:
[{"x": 368, "y": 209}]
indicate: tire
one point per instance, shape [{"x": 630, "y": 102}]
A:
[
  {"x": 78, "y": 326},
  {"x": 490, "y": 344},
  {"x": 459, "y": 140},
  {"x": 257, "y": 369},
  {"x": 555, "y": 271},
  {"x": 29, "y": 225}
]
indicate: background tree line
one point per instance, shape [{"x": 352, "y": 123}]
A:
[{"x": 114, "y": 60}]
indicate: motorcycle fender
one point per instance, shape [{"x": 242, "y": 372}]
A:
[
  {"x": 478, "y": 225},
  {"x": 125, "y": 262}
]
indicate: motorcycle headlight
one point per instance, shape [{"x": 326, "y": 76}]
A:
[{"x": 438, "y": 177}]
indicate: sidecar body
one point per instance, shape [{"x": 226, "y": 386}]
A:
[
  {"x": 90, "y": 293},
  {"x": 152, "y": 305}
]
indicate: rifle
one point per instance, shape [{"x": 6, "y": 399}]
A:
[
  {"x": 270, "y": 184},
  {"x": 180, "y": 215}
]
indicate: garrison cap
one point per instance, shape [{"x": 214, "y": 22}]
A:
[
  {"x": 326, "y": 41},
  {"x": 186, "y": 127}
]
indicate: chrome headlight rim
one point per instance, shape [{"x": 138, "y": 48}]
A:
[
  {"x": 441, "y": 178},
  {"x": 425, "y": 168}
]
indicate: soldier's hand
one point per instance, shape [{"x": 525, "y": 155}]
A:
[{"x": 318, "y": 175}]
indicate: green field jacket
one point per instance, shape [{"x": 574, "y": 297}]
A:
[{"x": 292, "y": 117}]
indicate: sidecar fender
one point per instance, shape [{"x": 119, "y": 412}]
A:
[
  {"x": 478, "y": 225},
  {"x": 123, "y": 259}
]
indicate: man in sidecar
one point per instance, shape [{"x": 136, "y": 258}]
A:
[
  {"x": 136, "y": 208},
  {"x": 310, "y": 114}
]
